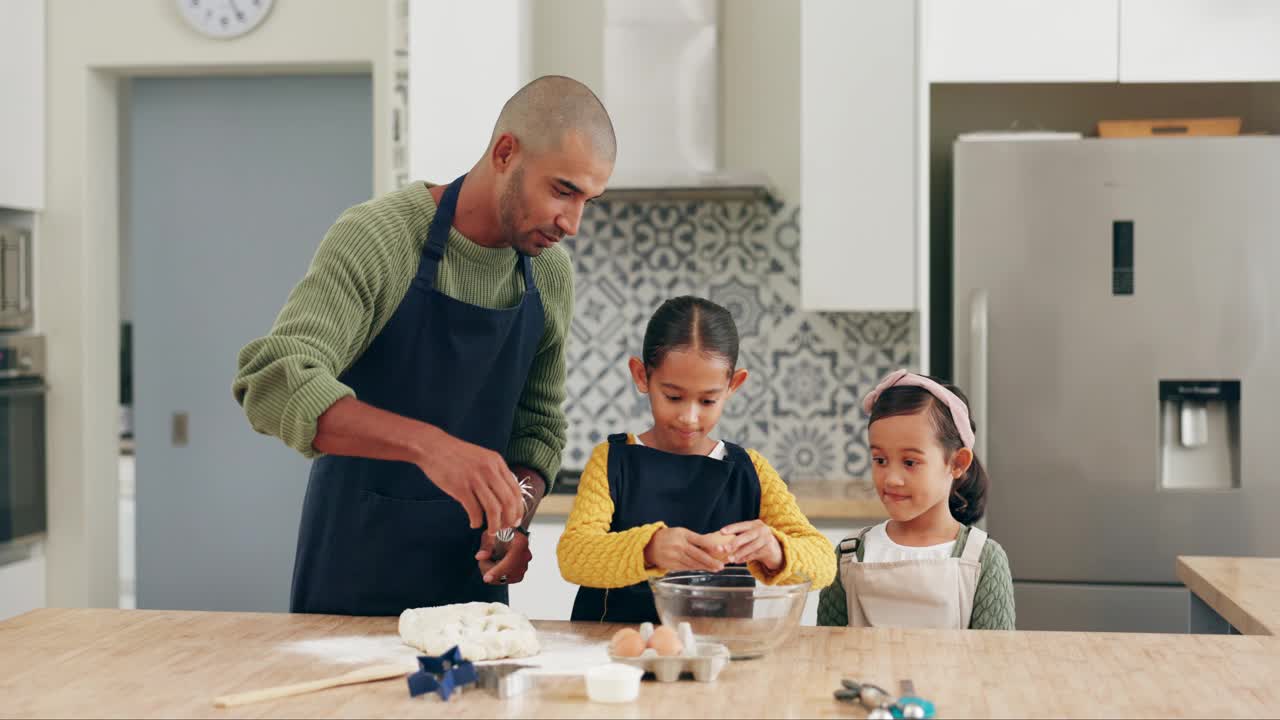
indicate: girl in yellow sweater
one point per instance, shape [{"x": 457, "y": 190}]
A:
[{"x": 674, "y": 498}]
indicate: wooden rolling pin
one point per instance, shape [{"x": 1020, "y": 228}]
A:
[{"x": 355, "y": 677}]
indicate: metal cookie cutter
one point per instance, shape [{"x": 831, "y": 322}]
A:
[{"x": 510, "y": 679}]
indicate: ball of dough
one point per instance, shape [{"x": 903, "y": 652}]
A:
[
  {"x": 626, "y": 643},
  {"x": 482, "y": 631},
  {"x": 665, "y": 641}
]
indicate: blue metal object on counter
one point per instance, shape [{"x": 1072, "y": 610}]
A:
[
  {"x": 443, "y": 675},
  {"x": 882, "y": 705},
  {"x": 901, "y": 708}
]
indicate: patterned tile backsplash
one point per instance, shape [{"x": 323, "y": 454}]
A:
[{"x": 808, "y": 370}]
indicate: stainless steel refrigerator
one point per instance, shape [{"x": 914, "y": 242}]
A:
[{"x": 1117, "y": 324}]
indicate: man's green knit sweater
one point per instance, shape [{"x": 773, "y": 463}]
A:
[{"x": 357, "y": 279}]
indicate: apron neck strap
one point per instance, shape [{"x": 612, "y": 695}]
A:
[
  {"x": 438, "y": 238},
  {"x": 526, "y": 266},
  {"x": 973, "y": 544},
  {"x": 854, "y": 545},
  {"x": 438, "y": 233}
]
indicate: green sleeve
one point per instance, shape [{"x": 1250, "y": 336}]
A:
[
  {"x": 993, "y": 599},
  {"x": 833, "y": 609},
  {"x": 539, "y": 429},
  {"x": 288, "y": 378}
]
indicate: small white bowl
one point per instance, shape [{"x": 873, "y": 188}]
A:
[{"x": 614, "y": 683}]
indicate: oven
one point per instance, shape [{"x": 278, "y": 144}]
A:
[
  {"x": 15, "y": 278},
  {"x": 22, "y": 438}
]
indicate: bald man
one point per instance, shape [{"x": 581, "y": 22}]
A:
[{"x": 421, "y": 362}]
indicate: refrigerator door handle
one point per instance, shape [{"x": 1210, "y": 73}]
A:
[{"x": 979, "y": 336}]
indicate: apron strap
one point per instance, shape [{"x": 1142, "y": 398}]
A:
[
  {"x": 853, "y": 545},
  {"x": 617, "y": 441},
  {"x": 526, "y": 266},
  {"x": 973, "y": 544},
  {"x": 438, "y": 233}
]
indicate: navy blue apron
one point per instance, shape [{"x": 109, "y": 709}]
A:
[
  {"x": 647, "y": 485},
  {"x": 378, "y": 536}
]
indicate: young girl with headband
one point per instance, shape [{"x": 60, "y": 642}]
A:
[{"x": 926, "y": 566}]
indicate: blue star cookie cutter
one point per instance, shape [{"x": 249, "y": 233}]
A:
[{"x": 444, "y": 674}]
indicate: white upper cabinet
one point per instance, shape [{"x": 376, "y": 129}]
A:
[
  {"x": 858, "y": 103},
  {"x": 1199, "y": 41},
  {"x": 979, "y": 41},
  {"x": 1101, "y": 41},
  {"x": 455, "y": 91},
  {"x": 22, "y": 104}
]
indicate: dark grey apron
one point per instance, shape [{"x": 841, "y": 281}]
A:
[
  {"x": 378, "y": 536},
  {"x": 688, "y": 491}
]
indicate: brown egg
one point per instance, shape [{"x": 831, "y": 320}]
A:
[
  {"x": 665, "y": 641},
  {"x": 723, "y": 540},
  {"x": 626, "y": 643}
]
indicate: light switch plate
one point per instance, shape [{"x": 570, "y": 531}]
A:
[{"x": 179, "y": 434}]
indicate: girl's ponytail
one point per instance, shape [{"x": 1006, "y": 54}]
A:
[{"x": 968, "y": 499}]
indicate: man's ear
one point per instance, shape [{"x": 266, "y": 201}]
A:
[
  {"x": 639, "y": 375},
  {"x": 505, "y": 150}
]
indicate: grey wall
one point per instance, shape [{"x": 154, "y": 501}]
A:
[{"x": 232, "y": 183}]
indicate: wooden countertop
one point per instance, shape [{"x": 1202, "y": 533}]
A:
[
  {"x": 1243, "y": 590},
  {"x": 116, "y": 663},
  {"x": 817, "y": 500}
]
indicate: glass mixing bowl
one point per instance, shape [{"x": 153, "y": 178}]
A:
[{"x": 731, "y": 607}]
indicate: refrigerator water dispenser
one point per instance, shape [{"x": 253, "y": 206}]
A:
[{"x": 1199, "y": 434}]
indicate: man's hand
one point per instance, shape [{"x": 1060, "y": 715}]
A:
[
  {"x": 754, "y": 541},
  {"x": 476, "y": 477},
  {"x": 512, "y": 567},
  {"x": 681, "y": 549}
]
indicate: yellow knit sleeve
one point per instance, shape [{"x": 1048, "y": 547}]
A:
[
  {"x": 590, "y": 555},
  {"x": 805, "y": 551}
]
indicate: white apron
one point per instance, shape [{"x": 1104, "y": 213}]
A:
[{"x": 934, "y": 593}]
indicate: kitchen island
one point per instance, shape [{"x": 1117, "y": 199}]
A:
[
  {"x": 115, "y": 663},
  {"x": 1241, "y": 591}
]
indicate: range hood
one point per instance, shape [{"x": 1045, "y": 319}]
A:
[
  {"x": 718, "y": 186},
  {"x": 662, "y": 88}
]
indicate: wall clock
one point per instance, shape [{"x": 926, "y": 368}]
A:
[{"x": 224, "y": 19}]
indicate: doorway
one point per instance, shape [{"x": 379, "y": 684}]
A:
[{"x": 228, "y": 184}]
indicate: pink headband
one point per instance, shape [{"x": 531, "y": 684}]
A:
[{"x": 902, "y": 378}]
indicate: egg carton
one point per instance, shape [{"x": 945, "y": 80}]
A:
[{"x": 703, "y": 661}]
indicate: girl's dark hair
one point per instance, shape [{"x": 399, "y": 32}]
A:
[
  {"x": 968, "y": 498},
  {"x": 689, "y": 322}
]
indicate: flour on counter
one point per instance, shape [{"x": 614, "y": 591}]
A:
[
  {"x": 356, "y": 650},
  {"x": 564, "y": 651}
]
